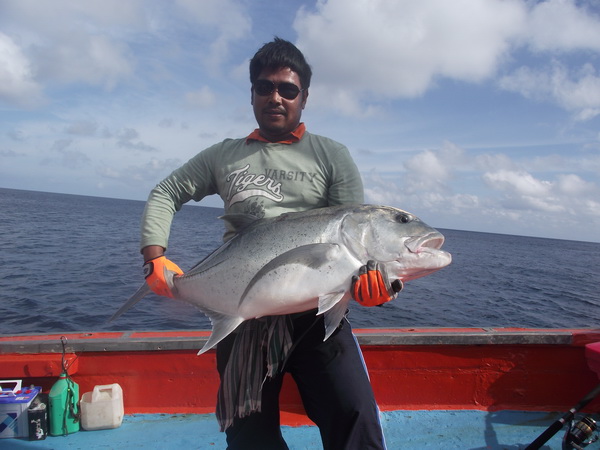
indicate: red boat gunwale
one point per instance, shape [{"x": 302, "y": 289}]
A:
[{"x": 411, "y": 369}]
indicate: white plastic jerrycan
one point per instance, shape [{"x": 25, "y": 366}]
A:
[{"x": 102, "y": 408}]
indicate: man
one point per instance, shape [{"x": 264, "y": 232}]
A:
[{"x": 280, "y": 167}]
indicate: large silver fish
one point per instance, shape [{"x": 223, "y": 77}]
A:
[{"x": 301, "y": 261}]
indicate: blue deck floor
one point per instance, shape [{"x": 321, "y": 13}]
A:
[{"x": 465, "y": 430}]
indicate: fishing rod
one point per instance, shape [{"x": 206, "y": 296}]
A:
[{"x": 567, "y": 417}]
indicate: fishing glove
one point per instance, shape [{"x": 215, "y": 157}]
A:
[
  {"x": 154, "y": 271},
  {"x": 372, "y": 287}
]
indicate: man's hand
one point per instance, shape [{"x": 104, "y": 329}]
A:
[
  {"x": 154, "y": 271},
  {"x": 372, "y": 287}
]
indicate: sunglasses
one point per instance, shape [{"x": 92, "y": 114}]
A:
[{"x": 289, "y": 91}]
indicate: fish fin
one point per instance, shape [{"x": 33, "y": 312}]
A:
[
  {"x": 139, "y": 294},
  {"x": 223, "y": 326},
  {"x": 239, "y": 221},
  {"x": 310, "y": 255},
  {"x": 334, "y": 316},
  {"x": 328, "y": 301}
]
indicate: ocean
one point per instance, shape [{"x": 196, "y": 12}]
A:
[{"x": 68, "y": 262}]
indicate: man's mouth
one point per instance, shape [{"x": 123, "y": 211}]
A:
[{"x": 275, "y": 112}]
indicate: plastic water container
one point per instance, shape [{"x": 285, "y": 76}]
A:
[
  {"x": 63, "y": 406},
  {"x": 102, "y": 408}
]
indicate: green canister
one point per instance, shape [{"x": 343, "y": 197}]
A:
[{"x": 64, "y": 406}]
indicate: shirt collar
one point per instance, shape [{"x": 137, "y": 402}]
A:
[{"x": 294, "y": 136}]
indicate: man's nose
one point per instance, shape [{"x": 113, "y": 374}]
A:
[{"x": 274, "y": 97}]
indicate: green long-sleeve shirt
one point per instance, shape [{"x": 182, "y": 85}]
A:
[{"x": 254, "y": 177}]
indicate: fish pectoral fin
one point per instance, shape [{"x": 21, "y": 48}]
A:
[
  {"x": 223, "y": 326},
  {"x": 334, "y": 316},
  {"x": 310, "y": 255},
  {"x": 328, "y": 301}
]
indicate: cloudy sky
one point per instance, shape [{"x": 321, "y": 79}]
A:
[{"x": 472, "y": 114}]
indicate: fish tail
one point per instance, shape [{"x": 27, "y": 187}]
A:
[{"x": 139, "y": 294}]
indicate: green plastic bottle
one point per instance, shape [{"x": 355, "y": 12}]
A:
[{"x": 64, "y": 406}]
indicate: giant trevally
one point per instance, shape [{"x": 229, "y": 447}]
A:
[{"x": 301, "y": 261}]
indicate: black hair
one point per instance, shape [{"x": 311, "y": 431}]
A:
[{"x": 277, "y": 54}]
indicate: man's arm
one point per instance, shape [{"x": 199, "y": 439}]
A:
[{"x": 152, "y": 251}]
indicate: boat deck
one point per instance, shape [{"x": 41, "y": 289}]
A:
[{"x": 460, "y": 429}]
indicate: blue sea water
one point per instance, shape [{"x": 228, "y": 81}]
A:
[{"x": 68, "y": 262}]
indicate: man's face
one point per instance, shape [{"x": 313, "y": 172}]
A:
[{"x": 276, "y": 115}]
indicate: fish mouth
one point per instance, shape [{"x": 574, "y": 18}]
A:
[
  {"x": 421, "y": 244},
  {"x": 428, "y": 256}
]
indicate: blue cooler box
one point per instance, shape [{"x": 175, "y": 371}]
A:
[{"x": 14, "y": 403}]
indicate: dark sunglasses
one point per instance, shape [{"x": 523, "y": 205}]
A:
[{"x": 289, "y": 91}]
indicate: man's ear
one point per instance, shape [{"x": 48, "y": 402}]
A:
[
  {"x": 304, "y": 98},
  {"x": 251, "y": 96}
]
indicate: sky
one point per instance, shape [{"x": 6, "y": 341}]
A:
[{"x": 479, "y": 115}]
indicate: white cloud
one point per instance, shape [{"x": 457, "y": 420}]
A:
[
  {"x": 563, "y": 25},
  {"x": 441, "y": 205},
  {"x": 519, "y": 183},
  {"x": 76, "y": 42},
  {"x": 574, "y": 90},
  {"x": 425, "y": 186},
  {"x": 426, "y": 171},
  {"x": 93, "y": 60},
  {"x": 364, "y": 51},
  {"x": 567, "y": 193},
  {"x": 453, "y": 188},
  {"x": 571, "y": 184},
  {"x": 398, "y": 49},
  {"x": 433, "y": 170},
  {"x": 105, "y": 44},
  {"x": 17, "y": 84},
  {"x": 143, "y": 175},
  {"x": 227, "y": 21},
  {"x": 494, "y": 161}
]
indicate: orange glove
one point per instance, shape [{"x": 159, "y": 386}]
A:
[
  {"x": 372, "y": 287},
  {"x": 154, "y": 271}
]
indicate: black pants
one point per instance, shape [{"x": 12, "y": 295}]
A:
[{"x": 334, "y": 386}]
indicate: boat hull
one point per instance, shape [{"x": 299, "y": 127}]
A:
[{"x": 410, "y": 369}]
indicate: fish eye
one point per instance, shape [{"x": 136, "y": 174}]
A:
[{"x": 404, "y": 218}]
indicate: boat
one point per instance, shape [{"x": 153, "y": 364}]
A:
[{"x": 467, "y": 388}]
